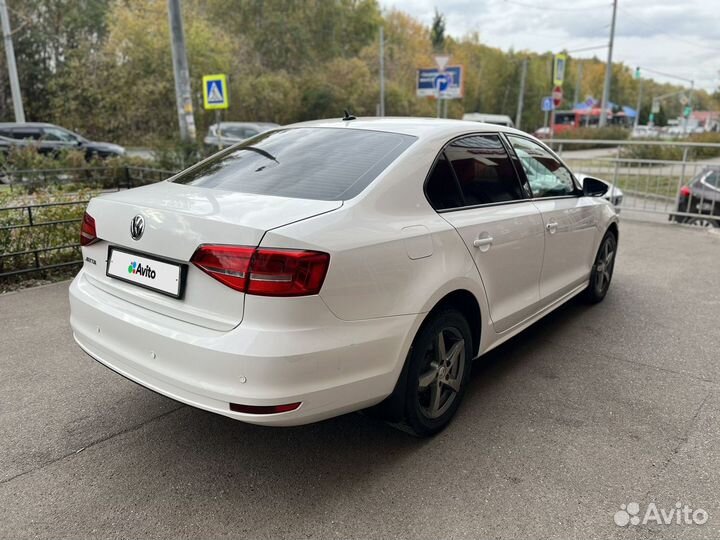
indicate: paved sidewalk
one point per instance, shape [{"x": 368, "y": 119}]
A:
[{"x": 589, "y": 409}]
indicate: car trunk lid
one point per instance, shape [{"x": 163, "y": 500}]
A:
[{"x": 177, "y": 219}]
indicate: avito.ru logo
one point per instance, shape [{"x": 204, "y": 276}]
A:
[{"x": 137, "y": 268}]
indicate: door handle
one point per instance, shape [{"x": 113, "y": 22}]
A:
[
  {"x": 551, "y": 227},
  {"x": 482, "y": 242}
]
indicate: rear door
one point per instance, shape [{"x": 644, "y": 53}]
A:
[
  {"x": 475, "y": 187},
  {"x": 570, "y": 219}
]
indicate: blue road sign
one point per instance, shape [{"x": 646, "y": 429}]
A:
[
  {"x": 547, "y": 104},
  {"x": 447, "y": 84},
  {"x": 215, "y": 92},
  {"x": 442, "y": 82}
]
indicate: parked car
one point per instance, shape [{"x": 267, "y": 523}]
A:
[
  {"x": 496, "y": 119},
  {"x": 226, "y": 134},
  {"x": 331, "y": 266},
  {"x": 544, "y": 132},
  {"x": 50, "y": 139},
  {"x": 702, "y": 197},
  {"x": 644, "y": 132},
  {"x": 613, "y": 195}
]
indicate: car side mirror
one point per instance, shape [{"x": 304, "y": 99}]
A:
[{"x": 592, "y": 187}]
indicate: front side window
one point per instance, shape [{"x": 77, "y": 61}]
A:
[
  {"x": 484, "y": 170},
  {"x": 55, "y": 134},
  {"x": 546, "y": 175},
  {"x": 328, "y": 164}
]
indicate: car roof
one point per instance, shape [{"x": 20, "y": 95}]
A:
[
  {"x": 418, "y": 127},
  {"x": 25, "y": 124},
  {"x": 246, "y": 124}
]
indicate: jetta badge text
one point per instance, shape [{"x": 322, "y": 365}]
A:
[{"x": 137, "y": 227}]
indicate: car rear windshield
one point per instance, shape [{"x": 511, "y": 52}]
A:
[{"x": 329, "y": 164}]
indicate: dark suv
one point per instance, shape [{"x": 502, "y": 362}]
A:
[
  {"x": 701, "y": 196},
  {"x": 50, "y": 139}
]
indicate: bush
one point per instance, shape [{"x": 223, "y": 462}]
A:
[
  {"x": 29, "y": 170},
  {"x": 609, "y": 133},
  {"x": 675, "y": 153},
  {"x": 176, "y": 156},
  {"x": 42, "y": 236}
]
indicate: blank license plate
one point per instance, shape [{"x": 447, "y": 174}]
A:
[{"x": 147, "y": 272}]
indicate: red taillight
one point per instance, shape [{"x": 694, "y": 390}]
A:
[
  {"x": 88, "y": 235},
  {"x": 264, "y": 409},
  {"x": 227, "y": 264},
  {"x": 685, "y": 191},
  {"x": 266, "y": 272}
]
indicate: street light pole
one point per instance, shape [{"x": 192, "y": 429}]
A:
[
  {"x": 608, "y": 71},
  {"x": 521, "y": 96},
  {"x": 639, "y": 102},
  {"x": 181, "y": 72},
  {"x": 12, "y": 67},
  {"x": 578, "y": 83},
  {"x": 382, "y": 71}
]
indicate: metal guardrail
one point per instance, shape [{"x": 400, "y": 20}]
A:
[
  {"x": 41, "y": 239},
  {"x": 652, "y": 187},
  {"x": 630, "y": 142},
  {"x": 102, "y": 177}
]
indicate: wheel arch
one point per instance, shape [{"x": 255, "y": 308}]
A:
[
  {"x": 466, "y": 303},
  {"x": 614, "y": 229}
]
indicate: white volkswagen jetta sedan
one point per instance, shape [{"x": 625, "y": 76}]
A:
[{"x": 331, "y": 266}]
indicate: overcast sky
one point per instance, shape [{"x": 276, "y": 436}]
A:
[{"x": 679, "y": 37}]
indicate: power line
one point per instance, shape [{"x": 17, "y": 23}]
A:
[
  {"x": 552, "y": 8},
  {"x": 664, "y": 32},
  {"x": 591, "y": 48}
]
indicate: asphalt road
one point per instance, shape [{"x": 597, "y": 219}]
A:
[{"x": 591, "y": 408}]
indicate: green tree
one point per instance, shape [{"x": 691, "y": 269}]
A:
[{"x": 437, "y": 32}]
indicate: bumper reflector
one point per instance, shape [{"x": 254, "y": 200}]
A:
[{"x": 264, "y": 409}]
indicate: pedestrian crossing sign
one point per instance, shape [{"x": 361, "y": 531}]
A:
[{"x": 215, "y": 95}]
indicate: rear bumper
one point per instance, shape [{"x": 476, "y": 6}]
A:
[{"x": 332, "y": 366}]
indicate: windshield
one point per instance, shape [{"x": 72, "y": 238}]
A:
[
  {"x": 234, "y": 132},
  {"x": 329, "y": 164}
]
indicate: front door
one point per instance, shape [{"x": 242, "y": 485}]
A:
[{"x": 569, "y": 218}]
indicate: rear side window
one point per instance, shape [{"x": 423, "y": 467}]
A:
[
  {"x": 712, "y": 179},
  {"x": 442, "y": 188},
  {"x": 329, "y": 164},
  {"x": 484, "y": 170},
  {"x": 27, "y": 133}
]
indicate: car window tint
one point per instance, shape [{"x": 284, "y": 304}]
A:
[
  {"x": 55, "y": 134},
  {"x": 26, "y": 133},
  {"x": 484, "y": 170},
  {"x": 441, "y": 188},
  {"x": 234, "y": 132},
  {"x": 713, "y": 179},
  {"x": 546, "y": 175},
  {"x": 329, "y": 164}
]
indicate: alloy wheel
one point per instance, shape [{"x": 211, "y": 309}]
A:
[
  {"x": 604, "y": 265},
  {"x": 442, "y": 374},
  {"x": 702, "y": 222}
]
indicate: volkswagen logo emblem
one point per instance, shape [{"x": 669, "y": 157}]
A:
[{"x": 137, "y": 227}]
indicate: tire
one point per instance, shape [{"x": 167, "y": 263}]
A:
[
  {"x": 703, "y": 222},
  {"x": 602, "y": 269},
  {"x": 436, "y": 375}
]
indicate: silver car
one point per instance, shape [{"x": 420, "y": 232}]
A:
[{"x": 226, "y": 134}]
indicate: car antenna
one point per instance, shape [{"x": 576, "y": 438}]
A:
[{"x": 349, "y": 116}]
